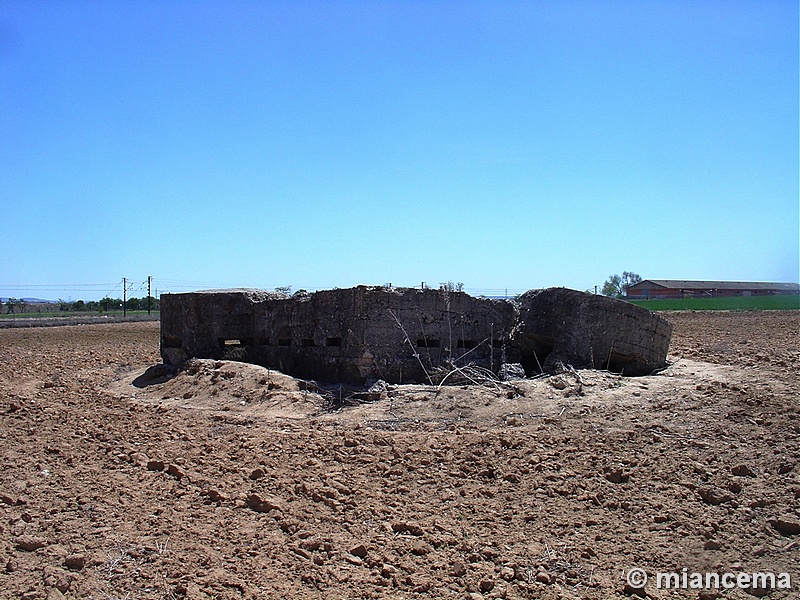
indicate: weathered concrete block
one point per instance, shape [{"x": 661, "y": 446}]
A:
[
  {"x": 348, "y": 335},
  {"x": 587, "y": 330},
  {"x": 202, "y": 324}
]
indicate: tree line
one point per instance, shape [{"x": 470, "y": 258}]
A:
[
  {"x": 616, "y": 286},
  {"x": 109, "y": 304},
  {"x": 19, "y": 306}
]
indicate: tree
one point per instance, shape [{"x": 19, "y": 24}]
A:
[
  {"x": 109, "y": 304},
  {"x": 617, "y": 286},
  {"x": 11, "y": 305},
  {"x": 451, "y": 287},
  {"x": 150, "y": 301}
]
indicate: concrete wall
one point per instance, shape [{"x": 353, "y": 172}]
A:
[
  {"x": 403, "y": 335},
  {"x": 350, "y": 335},
  {"x": 587, "y": 330}
]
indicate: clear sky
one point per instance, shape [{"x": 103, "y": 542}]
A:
[{"x": 327, "y": 144}]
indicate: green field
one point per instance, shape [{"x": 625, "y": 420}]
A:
[
  {"x": 731, "y": 303},
  {"x": 72, "y": 313}
]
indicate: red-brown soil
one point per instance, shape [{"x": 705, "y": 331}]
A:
[{"x": 230, "y": 481}]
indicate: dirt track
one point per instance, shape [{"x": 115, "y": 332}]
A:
[{"x": 229, "y": 481}]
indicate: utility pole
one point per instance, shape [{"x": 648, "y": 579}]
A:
[
  {"x": 149, "y": 282},
  {"x": 124, "y": 296}
]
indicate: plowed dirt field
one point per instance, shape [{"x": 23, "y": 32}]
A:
[{"x": 229, "y": 481}]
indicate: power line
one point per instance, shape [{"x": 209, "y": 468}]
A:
[
  {"x": 56, "y": 286},
  {"x": 182, "y": 285},
  {"x": 58, "y": 290}
]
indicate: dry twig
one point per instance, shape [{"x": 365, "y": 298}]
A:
[{"x": 410, "y": 343}]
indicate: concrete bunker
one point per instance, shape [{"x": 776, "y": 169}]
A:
[{"x": 404, "y": 335}]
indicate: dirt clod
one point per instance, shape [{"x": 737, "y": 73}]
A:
[
  {"x": 263, "y": 504},
  {"x": 713, "y": 495},
  {"x": 360, "y": 551},
  {"x": 30, "y": 543},
  {"x": 743, "y": 471},
  {"x": 75, "y": 562},
  {"x": 786, "y": 524}
]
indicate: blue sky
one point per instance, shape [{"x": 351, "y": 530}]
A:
[{"x": 318, "y": 144}]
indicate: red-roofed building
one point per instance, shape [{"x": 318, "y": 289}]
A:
[{"x": 679, "y": 288}]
